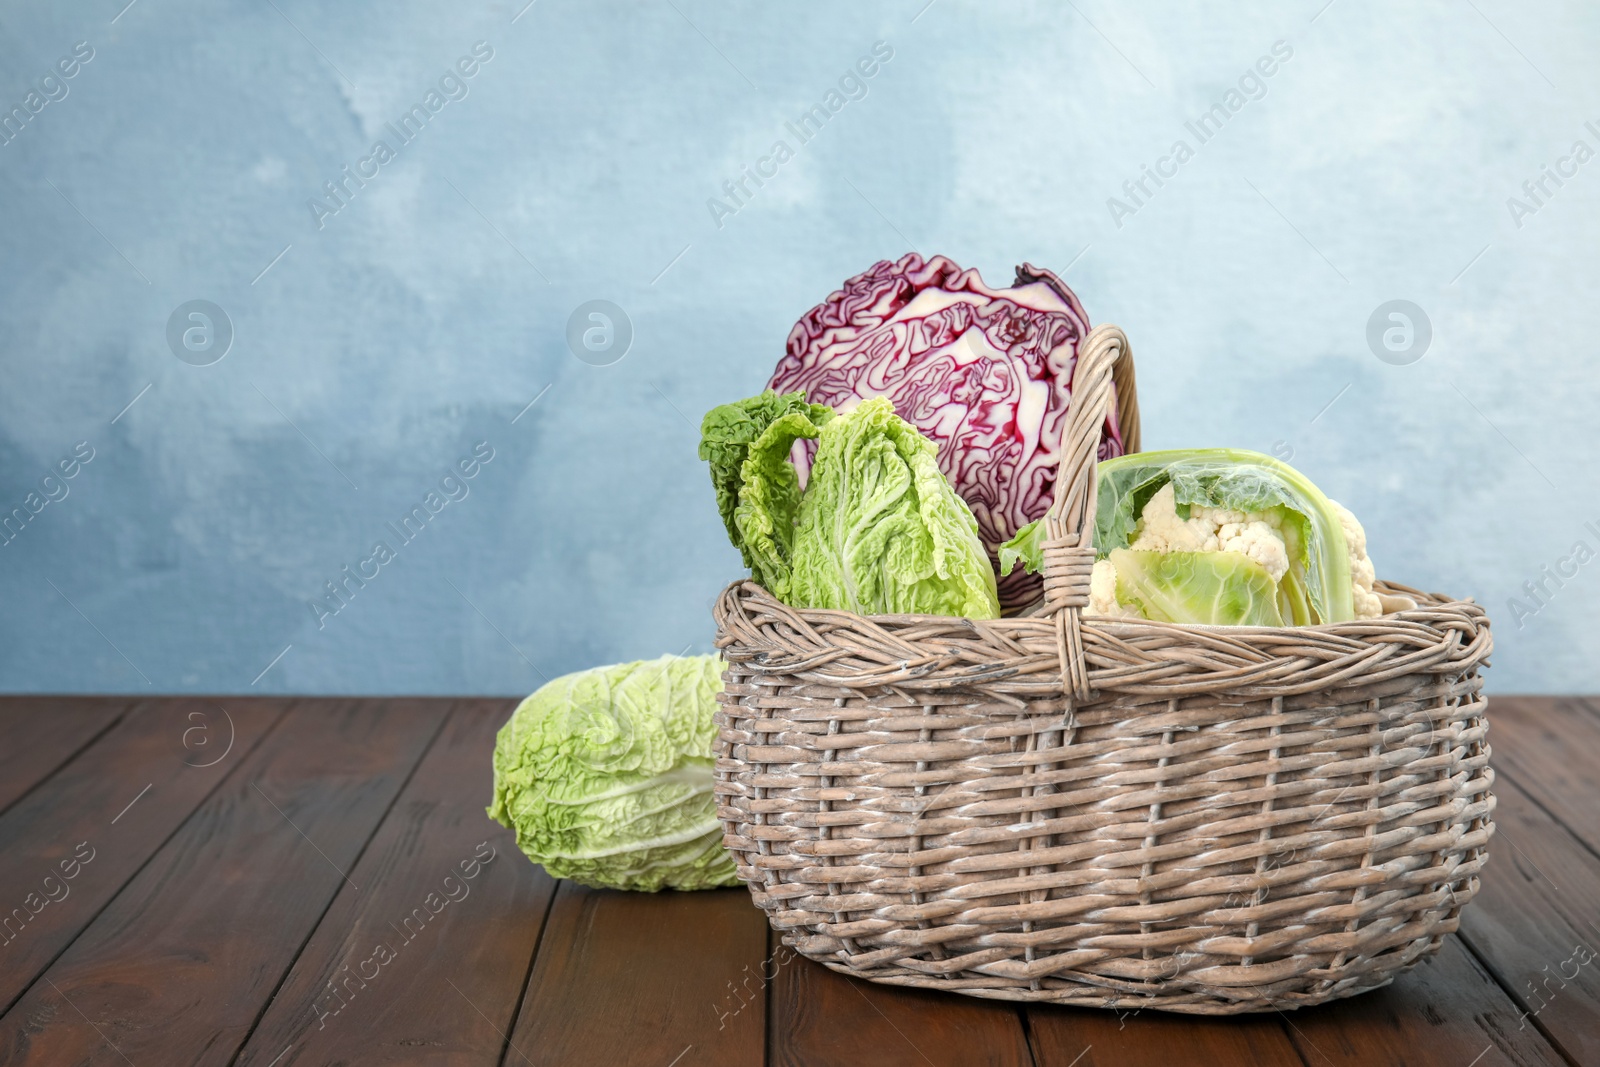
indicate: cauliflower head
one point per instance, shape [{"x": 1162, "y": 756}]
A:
[
  {"x": 1362, "y": 573},
  {"x": 1256, "y": 535}
]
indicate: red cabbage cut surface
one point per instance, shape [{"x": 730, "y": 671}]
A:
[{"x": 983, "y": 373}]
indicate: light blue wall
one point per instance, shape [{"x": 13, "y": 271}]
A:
[{"x": 422, "y": 317}]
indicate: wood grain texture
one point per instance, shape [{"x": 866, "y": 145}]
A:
[
  {"x": 645, "y": 978},
  {"x": 177, "y": 967},
  {"x": 1074, "y": 1037},
  {"x": 207, "y": 925},
  {"x": 41, "y": 733},
  {"x": 1537, "y": 924},
  {"x": 84, "y": 811},
  {"x": 1550, "y": 746},
  {"x": 427, "y": 963},
  {"x": 1446, "y": 1012},
  {"x": 820, "y": 1018}
]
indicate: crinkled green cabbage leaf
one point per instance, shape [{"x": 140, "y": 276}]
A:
[
  {"x": 605, "y": 775},
  {"x": 878, "y": 529},
  {"x": 1318, "y": 586},
  {"x": 729, "y": 434}
]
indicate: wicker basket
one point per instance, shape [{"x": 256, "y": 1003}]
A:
[{"x": 1110, "y": 813}]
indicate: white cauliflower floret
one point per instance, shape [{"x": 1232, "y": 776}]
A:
[
  {"x": 1253, "y": 534},
  {"x": 1260, "y": 542},
  {"x": 1103, "y": 590},
  {"x": 1160, "y": 529},
  {"x": 1362, "y": 574}
]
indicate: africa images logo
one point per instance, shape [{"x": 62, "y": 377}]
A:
[
  {"x": 1252, "y": 85},
  {"x": 852, "y": 85},
  {"x": 51, "y": 88},
  {"x": 452, "y": 85}
]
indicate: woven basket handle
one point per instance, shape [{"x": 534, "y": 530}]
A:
[{"x": 1103, "y": 376}]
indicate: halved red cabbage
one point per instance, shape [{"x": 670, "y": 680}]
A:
[{"x": 982, "y": 372}]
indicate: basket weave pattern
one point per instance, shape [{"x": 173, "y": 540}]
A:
[{"x": 1106, "y": 812}]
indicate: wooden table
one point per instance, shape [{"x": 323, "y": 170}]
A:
[{"x": 286, "y": 882}]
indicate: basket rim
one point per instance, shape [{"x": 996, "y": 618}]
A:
[
  {"x": 1440, "y": 638},
  {"x": 1429, "y": 605}
]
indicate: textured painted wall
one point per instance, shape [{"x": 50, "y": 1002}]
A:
[{"x": 569, "y": 153}]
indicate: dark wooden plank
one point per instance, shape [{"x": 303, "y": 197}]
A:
[
  {"x": 1446, "y": 1012},
  {"x": 1103, "y": 1038},
  {"x": 1550, "y": 746},
  {"x": 1536, "y": 922},
  {"x": 821, "y": 1017},
  {"x": 645, "y": 978},
  {"x": 178, "y": 967},
  {"x": 113, "y": 806},
  {"x": 42, "y": 733},
  {"x": 444, "y": 986}
]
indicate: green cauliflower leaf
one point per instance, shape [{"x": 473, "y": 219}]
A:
[{"x": 1216, "y": 588}]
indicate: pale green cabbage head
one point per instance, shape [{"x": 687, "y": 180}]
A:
[{"x": 605, "y": 775}]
